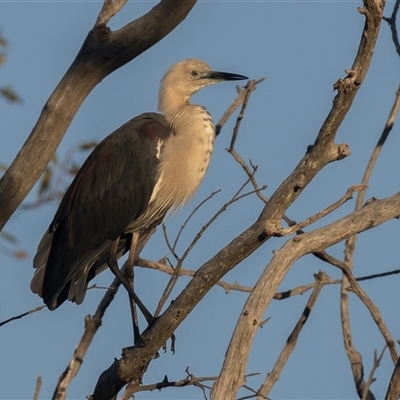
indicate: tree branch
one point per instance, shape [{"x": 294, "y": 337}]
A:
[
  {"x": 351, "y": 242},
  {"x": 135, "y": 359},
  {"x": 393, "y": 392},
  {"x": 297, "y": 227},
  {"x": 92, "y": 324},
  {"x": 190, "y": 380},
  {"x": 371, "y": 379},
  {"x": 320, "y": 280},
  {"x": 324, "y": 150},
  {"x": 231, "y": 377},
  {"x": 355, "y": 358},
  {"x": 393, "y": 27},
  {"x": 320, "y": 154}
]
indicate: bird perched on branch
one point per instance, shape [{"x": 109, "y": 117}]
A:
[{"x": 151, "y": 164}]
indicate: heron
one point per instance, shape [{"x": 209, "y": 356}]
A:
[{"x": 153, "y": 163}]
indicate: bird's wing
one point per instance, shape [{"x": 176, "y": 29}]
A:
[{"x": 112, "y": 188}]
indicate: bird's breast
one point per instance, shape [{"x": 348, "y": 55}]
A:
[{"x": 185, "y": 159}]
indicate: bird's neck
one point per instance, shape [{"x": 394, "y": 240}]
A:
[
  {"x": 183, "y": 117},
  {"x": 172, "y": 103}
]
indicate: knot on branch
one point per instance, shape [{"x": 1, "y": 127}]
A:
[
  {"x": 369, "y": 201},
  {"x": 337, "y": 152},
  {"x": 272, "y": 227},
  {"x": 349, "y": 83},
  {"x": 101, "y": 31},
  {"x": 343, "y": 151}
]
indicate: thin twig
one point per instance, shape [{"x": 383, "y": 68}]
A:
[
  {"x": 22, "y": 315},
  {"x": 393, "y": 391},
  {"x": 232, "y": 108},
  {"x": 323, "y": 213},
  {"x": 160, "y": 266},
  {"x": 320, "y": 279},
  {"x": 92, "y": 324},
  {"x": 228, "y": 287},
  {"x": 372, "y": 308},
  {"x": 392, "y": 23},
  {"x": 353, "y": 355},
  {"x": 350, "y": 243},
  {"x": 250, "y": 87},
  {"x": 371, "y": 379},
  {"x": 110, "y": 8},
  {"x": 171, "y": 283},
  {"x": 209, "y": 197},
  {"x": 249, "y": 173},
  {"x": 190, "y": 380},
  {"x": 236, "y": 197},
  {"x": 37, "y": 388},
  {"x": 168, "y": 243}
]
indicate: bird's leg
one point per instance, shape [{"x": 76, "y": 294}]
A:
[
  {"x": 113, "y": 265},
  {"x": 129, "y": 273}
]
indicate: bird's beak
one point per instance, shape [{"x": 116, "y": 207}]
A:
[{"x": 223, "y": 76}]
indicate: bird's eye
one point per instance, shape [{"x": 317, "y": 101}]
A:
[{"x": 195, "y": 73}]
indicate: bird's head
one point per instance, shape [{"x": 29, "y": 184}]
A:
[{"x": 186, "y": 78}]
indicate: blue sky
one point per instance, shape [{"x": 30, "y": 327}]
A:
[{"x": 301, "y": 48}]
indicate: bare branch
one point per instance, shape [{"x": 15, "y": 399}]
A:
[
  {"x": 190, "y": 380},
  {"x": 249, "y": 88},
  {"x": 249, "y": 173},
  {"x": 236, "y": 197},
  {"x": 228, "y": 287},
  {"x": 320, "y": 279},
  {"x": 232, "y": 108},
  {"x": 210, "y": 196},
  {"x": 315, "y": 241},
  {"x": 324, "y": 150},
  {"x": 37, "y": 388},
  {"x": 127, "y": 368},
  {"x": 353, "y": 355},
  {"x": 356, "y": 288},
  {"x": 320, "y": 154},
  {"x": 371, "y": 379},
  {"x": 393, "y": 392},
  {"x": 22, "y": 315},
  {"x": 375, "y": 313},
  {"x": 323, "y": 213},
  {"x": 351, "y": 242},
  {"x": 110, "y": 8},
  {"x": 174, "y": 277},
  {"x": 92, "y": 324},
  {"x": 393, "y": 27}
]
